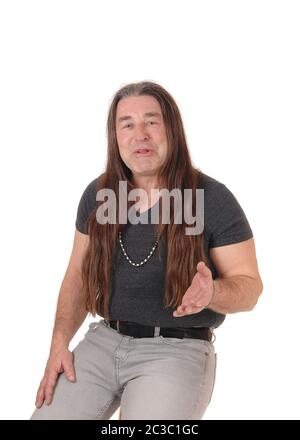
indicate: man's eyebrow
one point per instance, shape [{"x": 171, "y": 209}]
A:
[
  {"x": 148, "y": 114},
  {"x": 153, "y": 114}
]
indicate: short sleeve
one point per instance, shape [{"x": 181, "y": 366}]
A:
[
  {"x": 226, "y": 220},
  {"x": 86, "y": 204}
]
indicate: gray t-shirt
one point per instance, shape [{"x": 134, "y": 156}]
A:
[{"x": 137, "y": 292}]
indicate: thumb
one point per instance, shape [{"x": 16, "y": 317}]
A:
[
  {"x": 69, "y": 371},
  {"x": 202, "y": 268}
]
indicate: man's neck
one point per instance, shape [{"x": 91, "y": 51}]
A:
[{"x": 146, "y": 183}]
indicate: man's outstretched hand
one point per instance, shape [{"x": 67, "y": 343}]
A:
[{"x": 199, "y": 294}]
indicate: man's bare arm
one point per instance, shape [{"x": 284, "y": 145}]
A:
[
  {"x": 239, "y": 284},
  {"x": 237, "y": 288},
  {"x": 238, "y": 293},
  {"x": 70, "y": 314}
]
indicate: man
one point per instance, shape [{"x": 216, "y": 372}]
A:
[{"x": 160, "y": 290}]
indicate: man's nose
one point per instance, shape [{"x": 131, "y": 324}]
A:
[{"x": 141, "y": 133}]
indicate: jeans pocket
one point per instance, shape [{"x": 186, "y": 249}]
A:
[
  {"x": 171, "y": 341},
  {"x": 180, "y": 342}
]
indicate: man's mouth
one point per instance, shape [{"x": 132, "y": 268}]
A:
[{"x": 143, "y": 152}]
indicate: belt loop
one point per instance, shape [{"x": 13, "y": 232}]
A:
[
  {"x": 212, "y": 334},
  {"x": 118, "y": 326},
  {"x": 156, "y": 331}
]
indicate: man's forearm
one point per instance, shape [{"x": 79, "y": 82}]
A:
[
  {"x": 235, "y": 294},
  {"x": 70, "y": 312}
]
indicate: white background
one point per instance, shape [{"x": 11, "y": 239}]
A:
[{"x": 233, "y": 68}]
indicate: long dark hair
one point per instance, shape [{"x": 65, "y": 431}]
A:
[{"x": 184, "y": 251}]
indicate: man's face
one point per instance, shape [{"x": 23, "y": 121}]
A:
[{"x": 141, "y": 134}]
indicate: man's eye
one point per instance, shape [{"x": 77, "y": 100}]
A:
[
  {"x": 152, "y": 122},
  {"x": 127, "y": 125}
]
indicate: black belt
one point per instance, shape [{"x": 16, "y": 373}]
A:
[{"x": 145, "y": 331}]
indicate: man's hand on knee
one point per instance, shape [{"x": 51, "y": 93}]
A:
[{"x": 59, "y": 361}]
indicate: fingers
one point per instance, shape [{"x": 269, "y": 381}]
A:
[
  {"x": 40, "y": 394},
  {"x": 57, "y": 363},
  {"x": 197, "y": 293},
  {"x": 187, "y": 309},
  {"x": 69, "y": 370},
  {"x": 49, "y": 387},
  {"x": 45, "y": 391}
]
